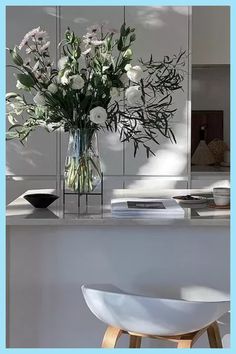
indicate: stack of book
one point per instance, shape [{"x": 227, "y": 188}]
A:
[{"x": 140, "y": 207}]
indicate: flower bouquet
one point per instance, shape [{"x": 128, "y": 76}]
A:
[{"x": 94, "y": 87}]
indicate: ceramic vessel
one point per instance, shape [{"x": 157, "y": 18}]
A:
[{"x": 150, "y": 315}]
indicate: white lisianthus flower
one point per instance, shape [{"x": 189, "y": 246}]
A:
[
  {"x": 96, "y": 42},
  {"x": 114, "y": 92},
  {"x": 77, "y": 82},
  {"x": 39, "y": 99},
  {"x": 134, "y": 73},
  {"x": 128, "y": 67},
  {"x": 133, "y": 95},
  {"x": 65, "y": 78},
  {"x": 52, "y": 88},
  {"x": 85, "y": 52},
  {"x": 44, "y": 47},
  {"x": 98, "y": 115},
  {"x": 62, "y": 62}
]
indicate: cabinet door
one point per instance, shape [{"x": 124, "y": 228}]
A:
[
  {"x": 210, "y": 35},
  {"x": 79, "y": 18},
  {"x": 38, "y": 156},
  {"x": 160, "y": 31}
]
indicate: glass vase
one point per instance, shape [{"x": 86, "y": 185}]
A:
[{"x": 82, "y": 166}]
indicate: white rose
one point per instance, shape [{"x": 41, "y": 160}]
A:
[
  {"x": 39, "y": 99},
  {"x": 65, "y": 78},
  {"x": 114, "y": 92},
  {"x": 52, "y": 88},
  {"x": 134, "y": 73},
  {"x": 77, "y": 82},
  {"x": 98, "y": 115},
  {"x": 133, "y": 95},
  {"x": 62, "y": 62}
]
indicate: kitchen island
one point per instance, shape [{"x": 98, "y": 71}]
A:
[{"x": 50, "y": 254}]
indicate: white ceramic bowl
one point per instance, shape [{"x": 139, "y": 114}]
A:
[
  {"x": 221, "y": 200},
  {"x": 150, "y": 315}
]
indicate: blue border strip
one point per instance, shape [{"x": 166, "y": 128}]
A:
[{"x": 2, "y": 155}]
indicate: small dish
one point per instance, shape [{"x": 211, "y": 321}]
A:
[
  {"x": 40, "y": 200},
  {"x": 195, "y": 199}
]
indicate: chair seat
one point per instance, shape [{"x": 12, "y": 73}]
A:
[{"x": 150, "y": 315}]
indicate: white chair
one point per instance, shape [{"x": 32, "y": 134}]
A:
[{"x": 179, "y": 321}]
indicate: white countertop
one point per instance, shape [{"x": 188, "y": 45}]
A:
[{"x": 20, "y": 212}]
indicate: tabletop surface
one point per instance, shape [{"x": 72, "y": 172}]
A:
[{"x": 20, "y": 212}]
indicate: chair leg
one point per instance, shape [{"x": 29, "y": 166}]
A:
[
  {"x": 184, "y": 343},
  {"x": 134, "y": 341},
  {"x": 111, "y": 337},
  {"x": 214, "y": 336}
]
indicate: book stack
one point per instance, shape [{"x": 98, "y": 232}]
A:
[{"x": 150, "y": 208}]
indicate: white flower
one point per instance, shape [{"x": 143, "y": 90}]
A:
[
  {"x": 52, "y": 88},
  {"x": 30, "y": 49},
  {"x": 62, "y": 62},
  {"x": 65, "y": 78},
  {"x": 39, "y": 99},
  {"x": 28, "y": 36},
  {"x": 36, "y": 65},
  {"x": 97, "y": 42},
  {"x": 41, "y": 35},
  {"x": 77, "y": 82},
  {"x": 134, "y": 73},
  {"x": 98, "y": 115},
  {"x": 85, "y": 52},
  {"x": 128, "y": 67},
  {"x": 44, "y": 47},
  {"x": 133, "y": 95},
  {"x": 114, "y": 92}
]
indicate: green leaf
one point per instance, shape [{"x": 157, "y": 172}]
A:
[
  {"x": 12, "y": 135},
  {"x": 10, "y": 95},
  {"x": 12, "y": 120},
  {"x": 122, "y": 30},
  {"x": 26, "y": 80},
  {"x": 16, "y": 57},
  {"x": 132, "y": 37}
]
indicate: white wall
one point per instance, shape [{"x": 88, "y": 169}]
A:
[
  {"x": 47, "y": 266},
  {"x": 211, "y": 35},
  {"x": 161, "y": 31}
]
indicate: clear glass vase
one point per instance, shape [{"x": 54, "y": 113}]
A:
[{"x": 82, "y": 166}]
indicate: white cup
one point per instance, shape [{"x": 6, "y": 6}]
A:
[{"x": 221, "y": 196}]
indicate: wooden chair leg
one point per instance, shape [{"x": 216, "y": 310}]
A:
[
  {"x": 134, "y": 341},
  {"x": 111, "y": 337},
  {"x": 214, "y": 336},
  {"x": 184, "y": 343}
]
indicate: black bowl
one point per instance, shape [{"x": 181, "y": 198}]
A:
[{"x": 40, "y": 200}]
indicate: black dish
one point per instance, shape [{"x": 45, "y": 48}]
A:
[{"x": 40, "y": 200}]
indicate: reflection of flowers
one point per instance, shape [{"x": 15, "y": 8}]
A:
[
  {"x": 133, "y": 95},
  {"x": 98, "y": 115}
]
